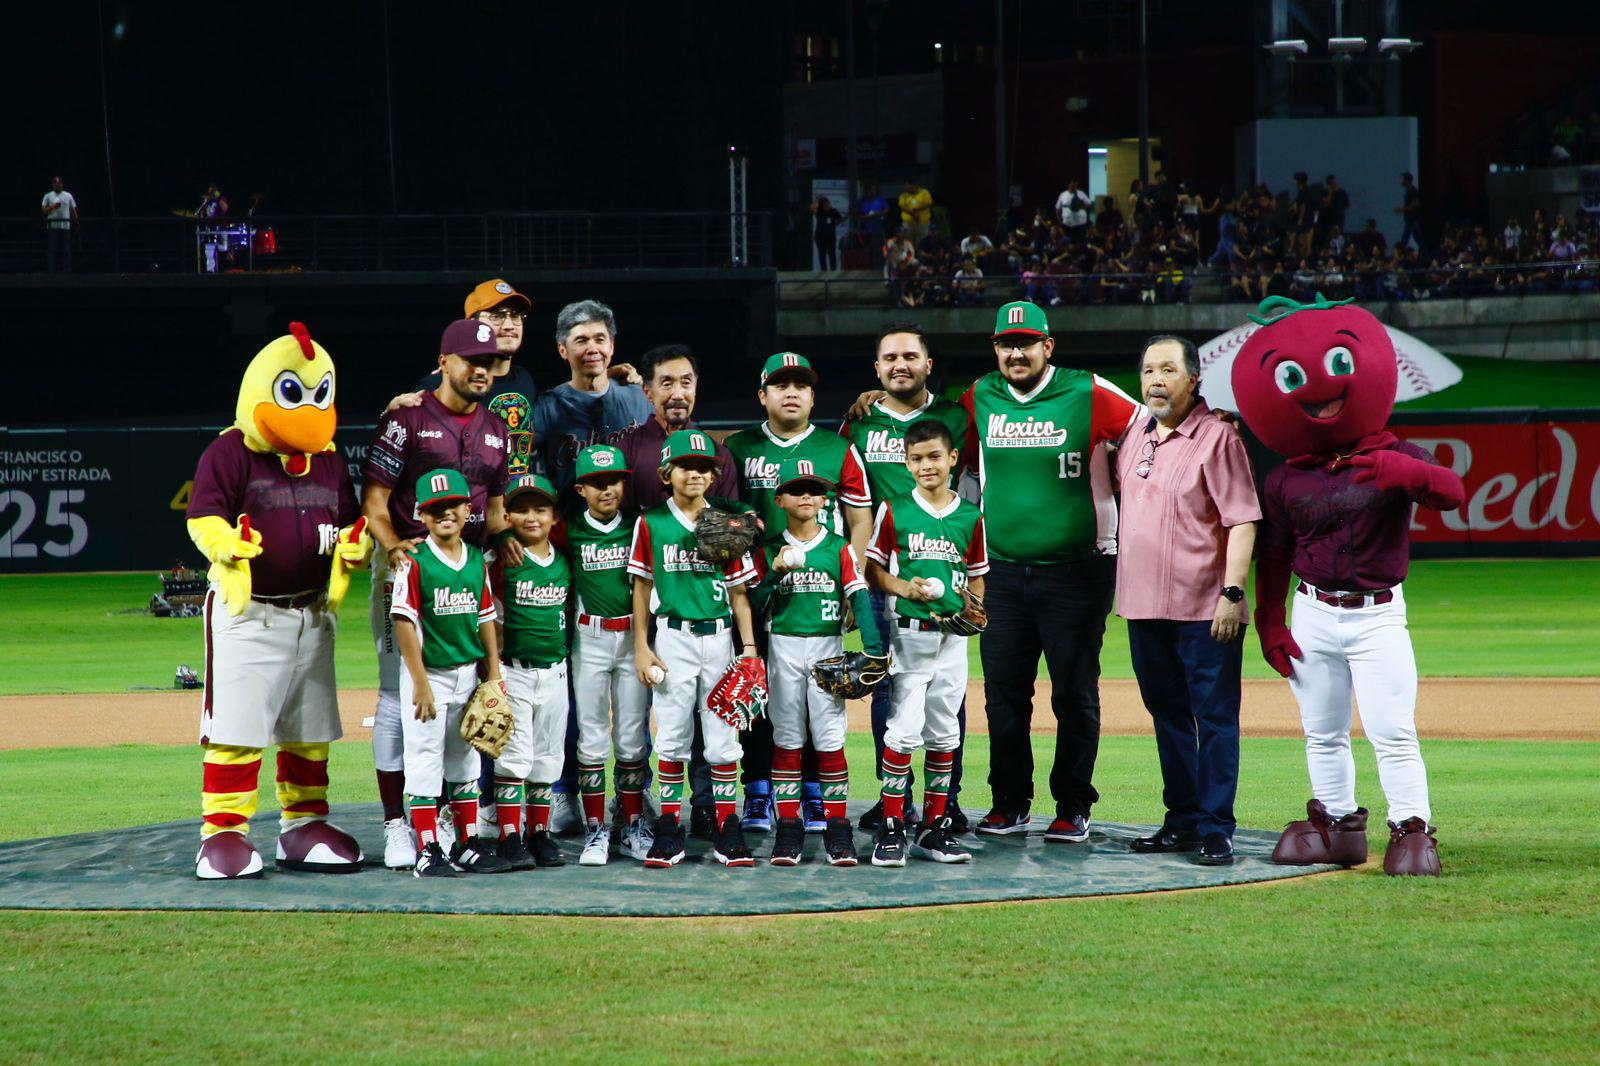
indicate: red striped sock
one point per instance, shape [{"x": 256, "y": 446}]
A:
[
  {"x": 630, "y": 789},
  {"x": 669, "y": 780},
  {"x": 937, "y": 767},
  {"x": 508, "y": 806},
  {"x": 896, "y": 775},
  {"x": 786, "y": 781},
  {"x": 425, "y": 820},
  {"x": 834, "y": 774},
  {"x": 592, "y": 787},
  {"x": 464, "y": 815},
  {"x": 725, "y": 789}
]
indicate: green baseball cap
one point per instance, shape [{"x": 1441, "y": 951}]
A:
[
  {"x": 601, "y": 459},
  {"x": 531, "y": 483},
  {"x": 1021, "y": 316},
  {"x": 791, "y": 361},
  {"x": 791, "y": 471},
  {"x": 688, "y": 444},
  {"x": 442, "y": 486}
]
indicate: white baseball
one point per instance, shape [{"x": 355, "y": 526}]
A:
[
  {"x": 933, "y": 586},
  {"x": 794, "y": 558},
  {"x": 655, "y": 674}
]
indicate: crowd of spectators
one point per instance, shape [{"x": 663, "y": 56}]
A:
[{"x": 1148, "y": 248}]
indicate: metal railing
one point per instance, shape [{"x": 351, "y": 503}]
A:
[
  {"x": 520, "y": 241},
  {"x": 826, "y": 291}
]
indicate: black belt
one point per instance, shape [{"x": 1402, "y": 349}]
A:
[
  {"x": 920, "y": 625},
  {"x": 529, "y": 664},
  {"x": 293, "y": 600},
  {"x": 702, "y": 628},
  {"x": 1348, "y": 600}
]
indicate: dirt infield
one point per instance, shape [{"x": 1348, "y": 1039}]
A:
[{"x": 1476, "y": 709}]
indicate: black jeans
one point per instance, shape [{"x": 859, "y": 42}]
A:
[
  {"x": 1190, "y": 686},
  {"x": 58, "y": 250},
  {"x": 1058, "y": 610}
]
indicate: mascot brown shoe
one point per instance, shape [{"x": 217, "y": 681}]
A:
[
  {"x": 227, "y": 856},
  {"x": 318, "y": 847},
  {"x": 1321, "y": 838},
  {"x": 1412, "y": 851}
]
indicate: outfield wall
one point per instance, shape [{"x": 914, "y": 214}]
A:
[{"x": 113, "y": 499}]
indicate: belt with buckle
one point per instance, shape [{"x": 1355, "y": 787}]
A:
[
  {"x": 292, "y": 600},
  {"x": 610, "y": 625},
  {"x": 919, "y": 625},
  {"x": 529, "y": 664},
  {"x": 1348, "y": 600},
  {"x": 700, "y": 628}
]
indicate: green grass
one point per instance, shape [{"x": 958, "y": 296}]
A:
[
  {"x": 1469, "y": 618},
  {"x": 1496, "y": 961}
]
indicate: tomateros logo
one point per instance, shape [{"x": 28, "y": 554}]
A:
[{"x": 1003, "y": 432}]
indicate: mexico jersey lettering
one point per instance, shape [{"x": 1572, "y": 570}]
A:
[
  {"x": 912, "y": 538},
  {"x": 809, "y": 600},
  {"x": 1044, "y": 475},
  {"x": 599, "y": 554},
  {"x": 686, "y": 586},
  {"x": 879, "y": 437},
  {"x": 446, "y": 600},
  {"x": 532, "y": 598},
  {"x": 758, "y": 454}
]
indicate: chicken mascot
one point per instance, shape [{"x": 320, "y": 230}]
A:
[
  {"x": 275, "y": 512},
  {"x": 1316, "y": 383}
]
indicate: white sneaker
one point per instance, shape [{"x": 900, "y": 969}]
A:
[
  {"x": 596, "y": 846},
  {"x": 488, "y": 822},
  {"x": 564, "y": 817},
  {"x": 445, "y": 832},
  {"x": 637, "y": 839},
  {"x": 399, "y": 845}
]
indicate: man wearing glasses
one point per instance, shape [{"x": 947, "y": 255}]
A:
[
  {"x": 1187, "y": 527},
  {"x": 1037, "y": 434}
]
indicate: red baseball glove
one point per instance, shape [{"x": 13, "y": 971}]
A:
[{"x": 741, "y": 696}]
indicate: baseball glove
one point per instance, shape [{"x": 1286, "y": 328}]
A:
[
  {"x": 740, "y": 697},
  {"x": 486, "y": 723},
  {"x": 722, "y": 536},
  {"x": 852, "y": 675},
  {"x": 967, "y": 622}
]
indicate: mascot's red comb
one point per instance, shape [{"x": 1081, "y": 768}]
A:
[{"x": 298, "y": 331}]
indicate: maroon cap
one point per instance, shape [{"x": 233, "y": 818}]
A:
[{"x": 468, "y": 338}]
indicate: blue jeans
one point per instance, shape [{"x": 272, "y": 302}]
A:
[
  {"x": 883, "y": 703},
  {"x": 1190, "y": 686}
]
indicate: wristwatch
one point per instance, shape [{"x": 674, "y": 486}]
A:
[{"x": 1232, "y": 593}]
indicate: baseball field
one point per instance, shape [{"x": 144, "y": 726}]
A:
[{"x": 1499, "y": 959}]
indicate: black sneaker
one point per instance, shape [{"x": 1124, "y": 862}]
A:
[
  {"x": 937, "y": 844},
  {"x": 790, "y": 843},
  {"x": 702, "y": 822},
  {"x": 432, "y": 863},
  {"x": 667, "y": 847},
  {"x": 957, "y": 819},
  {"x": 512, "y": 850},
  {"x": 872, "y": 821},
  {"x": 999, "y": 823},
  {"x": 476, "y": 859},
  {"x": 839, "y": 840},
  {"x": 543, "y": 848},
  {"x": 729, "y": 848},
  {"x": 1068, "y": 830},
  {"x": 890, "y": 850}
]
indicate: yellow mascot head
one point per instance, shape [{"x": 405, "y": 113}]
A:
[{"x": 286, "y": 400}]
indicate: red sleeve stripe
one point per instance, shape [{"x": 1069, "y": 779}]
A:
[{"x": 640, "y": 564}]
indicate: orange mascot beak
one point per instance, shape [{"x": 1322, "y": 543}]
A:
[{"x": 303, "y": 429}]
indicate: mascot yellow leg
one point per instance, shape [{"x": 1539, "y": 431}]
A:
[
  {"x": 227, "y": 803},
  {"x": 306, "y": 840}
]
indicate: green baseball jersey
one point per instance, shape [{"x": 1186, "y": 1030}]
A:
[
  {"x": 912, "y": 538},
  {"x": 532, "y": 597},
  {"x": 1046, "y": 484},
  {"x": 599, "y": 553},
  {"x": 809, "y": 600},
  {"x": 686, "y": 586},
  {"x": 879, "y": 438},
  {"x": 758, "y": 454},
  {"x": 446, "y": 600}
]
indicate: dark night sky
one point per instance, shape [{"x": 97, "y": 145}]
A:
[{"x": 506, "y": 106}]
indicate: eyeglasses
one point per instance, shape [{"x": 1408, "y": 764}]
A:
[
  {"x": 1147, "y": 458},
  {"x": 1015, "y": 346},
  {"x": 500, "y": 316}
]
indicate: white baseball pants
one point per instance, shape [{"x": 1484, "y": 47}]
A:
[
  {"x": 388, "y": 743},
  {"x": 613, "y": 707},
  {"x": 694, "y": 666},
  {"x": 930, "y": 681},
  {"x": 269, "y": 675},
  {"x": 537, "y": 745},
  {"x": 794, "y": 702},
  {"x": 435, "y": 752}
]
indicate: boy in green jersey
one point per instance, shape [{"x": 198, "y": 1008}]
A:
[
  {"x": 695, "y": 604},
  {"x": 444, "y": 625},
  {"x": 613, "y": 707},
  {"x": 812, "y": 578},
  {"x": 926, "y": 545},
  {"x": 532, "y": 598}
]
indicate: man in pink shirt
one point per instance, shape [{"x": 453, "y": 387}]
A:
[{"x": 1188, "y": 524}]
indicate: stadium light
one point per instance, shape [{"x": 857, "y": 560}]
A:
[
  {"x": 1397, "y": 46},
  {"x": 1291, "y": 48},
  {"x": 1344, "y": 46}
]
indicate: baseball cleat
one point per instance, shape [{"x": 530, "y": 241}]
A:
[
  {"x": 890, "y": 849},
  {"x": 637, "y": 839},
  {"x": 758, "y": 807},
  {"x": 839, "y": 840},
  {"x": 544, "y": 849},
  {"x": 596, "y": 846},
  {"x": 936, "y": 843},
  {"x": 666, "y": 849},
  {"x": 1322, "y": 838},
  {"x": 729, "y": 848},
  {"x": 399, "y": 846},
  {"x": 788, "y": 848},
  {"x": 227, "y": 856},
  {"x": 474, "y": 858},
  {"x": 1412, "y": 851},
  {"x": 565, "y": 820},
  {"x": 998, "y": 823},
  {"x": 512, "y": 850},
  {"x": 1074, "y": 830},
  {"x": 319, "y": 847},
  {"x": 432, "y": 863}
]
